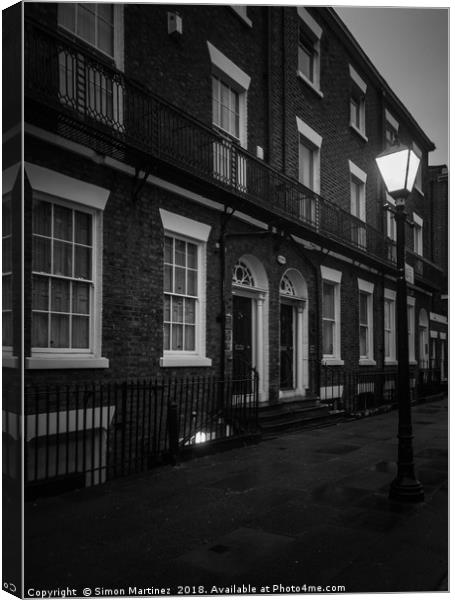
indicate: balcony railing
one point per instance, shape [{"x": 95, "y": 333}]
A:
[{"x": 87, "y": 100}]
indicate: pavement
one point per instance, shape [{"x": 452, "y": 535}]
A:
[{"x": 306, "y": 508}]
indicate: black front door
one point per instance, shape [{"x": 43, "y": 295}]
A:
[
  {"x": 286, "y": 347},
  {"x": 242, "y": 336}
]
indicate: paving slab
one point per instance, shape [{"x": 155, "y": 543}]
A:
[{"x": 305, "y": 507}]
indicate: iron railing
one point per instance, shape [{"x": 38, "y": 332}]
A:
[
  {"x": 95, "y": 432},
  {"x": 357, "y": 391},
  {"x": 90, "y": 101}
]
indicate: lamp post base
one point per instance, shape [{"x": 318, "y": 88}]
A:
[{"x": 406, "y": 489}]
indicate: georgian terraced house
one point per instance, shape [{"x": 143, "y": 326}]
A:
[{"x": 201, "y": 197}]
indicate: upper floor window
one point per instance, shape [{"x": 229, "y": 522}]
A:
[
  {"x": 418, "y": 179},
  {"x": 418, "y": 234},
  {"x": 391, "y": 129},
  {"x": 309, "y": 167},
  {"x": 357, "y": 102},
  {"x": 92, "y": 22},
  {"x": 309, "y": 48},
  {"x": 226, "y": 107},
  {"x": 358, "y": 204}
]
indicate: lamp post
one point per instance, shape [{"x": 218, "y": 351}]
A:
[{"x": 398, "y": 167}]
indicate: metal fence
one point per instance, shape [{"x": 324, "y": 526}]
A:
[
  {"x": 95, "y": 432},
  {"x": 363, "y": 391}
]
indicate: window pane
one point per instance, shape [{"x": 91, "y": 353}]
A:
[
  {"x": 168, "y": 278},
  {"x": 387, "y": 307},
  {"x": 192, "y": 256},
  {"x": 6, "y": 255},
  {"x": 190, "y": 311},
  {"x": 80, "y": 332},
  {"x": 305, "y": 62},
  {"x": 177, "y": 310},
  {"x": 41, "y": 259},
  {"x": 86, "y": 22},
  {"x": 166, "y": 336},
  {"x": 42, "y": 215},
  {"x": 387, "y": 343},
  {"x": 306, "y": 167},
  {"x": 7, "y": 293},
  {"x": 189, "y": 337},
  {"x": 363, "y": 341},
  {"x": 60, "y": 295},
  {"x": 39, "y": 330},
  {"x": 327, "y": 337},
  {"x": 83, "y": 228},
  {"x": 363, "y": 308},
  {"x": 81, "y": 298},
  {"x": 177, "y": 337},
  {"x": 179, "y": 286},
  {"x": 192, "y": 283},
  {"x": 63, "y": 223},
  {"x": 60, "y": 331},
  {"x": 105, "y": 36},
  {"x": 40, "y": 293},
  {"x": 180, "y": 252},
  {"x": 6, "y": 218},
  {"x": 168, "y": 249},
  {"x": 7, "y": 329},
  {"x": 167, "y": 308},
  {"x": 62, "y": 259},
  {"x": 67, "y": 15},
  {"x": 82, "y": 262},
  {"x": 328, "y": 300}
]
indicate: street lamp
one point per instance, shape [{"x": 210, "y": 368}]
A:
[{"x": 398, "y": 167}]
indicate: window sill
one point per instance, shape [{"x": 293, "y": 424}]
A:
[
  {"x": 310, "y": 84},
  {"x": 10, "y": 362},
  {"x": 358, "y": 132},
  {"x": 332, "y": 362},
  {"x": 370, "y": 362},
  {"x": 66, "y": 363},
  {"x": 185, "y": 361},
  {"x": 389, "y": 362},
  {"x": 413, "y": 362}
]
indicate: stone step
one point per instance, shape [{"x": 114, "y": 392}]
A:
[{"x": 301, "y": 412}]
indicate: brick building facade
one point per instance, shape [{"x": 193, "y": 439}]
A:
[{"x": 201, "y": 196}]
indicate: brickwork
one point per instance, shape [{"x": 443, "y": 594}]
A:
[{"x": 178, "y": 69}]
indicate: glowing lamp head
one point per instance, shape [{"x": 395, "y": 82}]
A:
[{"x": 398, "y": 166}]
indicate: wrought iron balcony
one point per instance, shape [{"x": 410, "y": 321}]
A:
[{"x": 78, "y": 94}]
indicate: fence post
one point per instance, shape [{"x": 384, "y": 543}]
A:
[{"x": 173, "y": 431}]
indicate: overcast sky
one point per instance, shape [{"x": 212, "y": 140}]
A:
[{"x": 409, "y": 47}]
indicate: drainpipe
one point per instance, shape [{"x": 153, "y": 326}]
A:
[{"x": 284, "y": 62}]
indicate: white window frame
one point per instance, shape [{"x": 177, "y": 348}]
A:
[
  {"x": 74, "y": 193},
  {"x": 418, "y": 234},
  {"x": 118, "y": 41},
  {"x": 367, "y": 287},
  {"x": 238, "y": 80},
  {"x": 313, "y": 34},
  {"x": 358, "y": 98},
  {"x": 392, "y": 125},
  {"x": 312, "y": 141},
  {"x": 390, "y": 299},
  {"x": 175, "y": 225},
  {"x": 333, "y": 277},
  {"x": 418, "y": 179},
  {"x": 411, "y": 329},
  {"x": 358, "y": 177}
]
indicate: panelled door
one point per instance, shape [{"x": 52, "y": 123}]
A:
[
  {"x": 242, "y": 334},
  {"x": 287, "y": 350}
]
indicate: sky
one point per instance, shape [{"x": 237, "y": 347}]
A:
[{"x": 409, "y": 48}]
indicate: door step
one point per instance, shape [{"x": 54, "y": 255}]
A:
[{"x": 295, "y": 414}]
